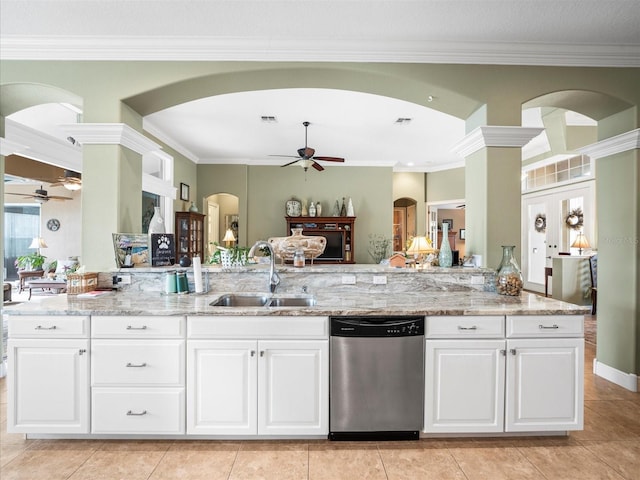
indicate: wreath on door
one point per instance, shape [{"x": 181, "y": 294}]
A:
[
  {"x": 574, "y": 219},
  {"x": 540, "y": 223}
]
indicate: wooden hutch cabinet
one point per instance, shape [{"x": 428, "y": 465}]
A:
[
  {"x": 339, "y": 232},
  {"x": 189, "y": 234}
]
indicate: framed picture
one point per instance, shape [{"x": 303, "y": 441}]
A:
[
  {"x": 131, "y": 249},
  {"x": 184, "y": 192},
  {"x": 448, "y": 221},
  {"x": 462, "y": 234}
]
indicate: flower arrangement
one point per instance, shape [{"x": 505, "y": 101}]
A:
[{"x": 378, "y": 247}]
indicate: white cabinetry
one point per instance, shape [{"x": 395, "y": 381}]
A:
[
  {"x": 238, "y": 384},
  {"x": 48, "y": 378},
  {"x": 532, "y": 380},
  {"x": 138, "y": 375}
]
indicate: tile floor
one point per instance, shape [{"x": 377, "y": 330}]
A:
[{"x": 608, "y": 448}]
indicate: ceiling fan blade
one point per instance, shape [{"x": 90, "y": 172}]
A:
[
  {"x": 57, "y": 197},
  {"x": 317, "y": 166},
  {"x": 329, "y": 159},
  {"x": 290, "y": 163},
  {"x": 285, "y": 156}
]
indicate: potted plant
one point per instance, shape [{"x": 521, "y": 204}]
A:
[{"x": 30, "y": 262}]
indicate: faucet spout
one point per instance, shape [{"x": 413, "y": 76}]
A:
[{"x": 274, "y": 278}]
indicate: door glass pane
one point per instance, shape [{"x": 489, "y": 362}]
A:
[
  {"x": 537, "y": 236},
  {"x": 21, "y": 225}
]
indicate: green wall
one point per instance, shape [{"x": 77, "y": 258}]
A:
[{"x": 445, "y": 185}]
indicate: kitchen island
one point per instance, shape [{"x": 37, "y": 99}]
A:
[{"x": 145, "y": 364}]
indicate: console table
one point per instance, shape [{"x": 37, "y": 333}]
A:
[{"x": 59, "y": 285}]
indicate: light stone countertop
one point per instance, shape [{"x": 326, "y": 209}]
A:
[{"x": 469, "y": 302}]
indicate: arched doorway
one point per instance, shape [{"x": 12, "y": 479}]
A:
[{"x": 223, "y": 217}]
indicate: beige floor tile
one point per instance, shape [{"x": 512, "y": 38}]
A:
[
  {"x": 598, "y": 427},
  {"x": 91, "y": 445},
  {"x": 271, "y": 460},
  {"x": 212, "y": 445},
  {"x": 8, "y": 452},
  {"x": 420, "y": 464},
  {"x": 3, "y": 412},
  {"x": 44, "y": 464},
  {"x": 345, "y": 462},
  {"x": 495, "y": 463},
  {"x": 12, "y": 438},
  {"x": 118, "y": 465},
  {"x": 200, "y": 464},
  {"x": 623, "y": 457},
  {"x": 623, "y": 412},
  {"x": 569, "y": 463},
  {"x": 137, "y": 445}
]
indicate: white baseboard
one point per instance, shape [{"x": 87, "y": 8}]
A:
[{"x": 629, "y": 381}]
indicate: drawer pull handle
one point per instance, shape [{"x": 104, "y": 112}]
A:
[
  {"x": 134, "y": 414},
  {"x": 129, "y": 327},
  {"x": 40, "y": 327},
  {"x": 542, "y": 327},
  {"x": 473, "y": 327},
  {"x": 136, "y": 365}
]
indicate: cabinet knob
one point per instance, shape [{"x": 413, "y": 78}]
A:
[
  {"x": 262, "y": 353},
  {"x": 512, "y": 351},
  {"x": 503, "y": 352},
  {"x": 253, "y": 353},
  {"x": 82, "y": 351}
]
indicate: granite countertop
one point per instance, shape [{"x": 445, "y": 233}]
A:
[{"x": 419, "y": 303}]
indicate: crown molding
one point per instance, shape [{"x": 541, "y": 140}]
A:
[
  {"x": 206, "y": 48},
  {"x": 495, "y": 136},
  {"x": 161, "y": 135},
  {"x": 28, "y": 142},
  {"x": 111, "y": 134},
  {"x": 610, "y": 146}
]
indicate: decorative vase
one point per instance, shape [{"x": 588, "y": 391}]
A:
[
  {"x": 509, "y": 277},
  {"x": 193, "y": 207},
  {"x": 156, "y": 224},
  {"x": 343, "y": 209},
  {"x": 350, "y": 211},
  {"x": 305, "y": 212},
  {"x": 318, "y": 209},
  {"x": 445, "y": 257},
  {"x": 286, "y": 247},
  {"x": 336, "y": 209},
  {"x": 312, "y": 209}
]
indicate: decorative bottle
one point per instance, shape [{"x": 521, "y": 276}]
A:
[
  {"x": 312, "y": 209},
  {"x": 318, "y": 209},
  {"x": 156, "y": 224},
  {"x": 445, "y": 257},
  {"x": 509, "y": 277}
]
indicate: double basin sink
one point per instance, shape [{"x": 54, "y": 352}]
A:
[{"x": 260, "y": 300}]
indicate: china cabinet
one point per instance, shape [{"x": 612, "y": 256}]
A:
[{"x": 189, "y": 234}]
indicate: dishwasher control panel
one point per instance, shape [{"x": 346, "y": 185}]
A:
[{"x": 377, "y": 326}]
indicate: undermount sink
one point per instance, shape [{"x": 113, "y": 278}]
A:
[
  {"x": 233, "y": 300},
  {"x": 239, "y": 300}
]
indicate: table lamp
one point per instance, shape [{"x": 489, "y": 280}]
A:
[
  {"x": 419, "y": 246},
  {"x": 580, "y": 243},
  {"x": 38, "y": 243},
  {"x": 228, "y": 237}
]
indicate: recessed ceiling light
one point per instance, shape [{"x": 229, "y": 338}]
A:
[
  {"x": 403, "y": 120},
  {"x": 269, "y": 119}
]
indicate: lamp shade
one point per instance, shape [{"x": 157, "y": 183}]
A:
[
  {"x": 419, "y": 245},
  {"x": 580, "y": 241},
  {"x": 38, "y": 242},
  {"x": 228, "y": 236}
]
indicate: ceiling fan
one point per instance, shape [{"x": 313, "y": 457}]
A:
[
  {"x": 70, "y": 180},
  {"x": 306, "y": 156},
  {"x": 40, "y": 196}
]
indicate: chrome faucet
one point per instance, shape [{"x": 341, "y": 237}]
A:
[{"x": 274, "y": 278}]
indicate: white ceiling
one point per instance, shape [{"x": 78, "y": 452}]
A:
[{"x": 359, "y": 127}]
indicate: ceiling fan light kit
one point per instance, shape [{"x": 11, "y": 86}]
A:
[{"x": 306, "y": 156}]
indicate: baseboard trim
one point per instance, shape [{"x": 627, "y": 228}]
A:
[{"x": 629, "y": 381}]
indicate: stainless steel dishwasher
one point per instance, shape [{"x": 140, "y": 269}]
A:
[{"x": 377, "y": 377}]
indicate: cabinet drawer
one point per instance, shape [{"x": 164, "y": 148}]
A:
[
  {"x": 519, "y": 326},
  {"x": 137, "y": 327},
  {"x": 50, "y": 326},
  {"x": 256, "y": 327},
  {"x": 463, "y": 326},
  {"x": 138, "y": 410},
  {"x": 131, "y": 362}
]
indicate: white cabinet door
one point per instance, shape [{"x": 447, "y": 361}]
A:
[
  {"x": 545, "y": 385},
  {"x": 293, "y": 387},
  {"x": 221, "y": 387},
  {"x": 464, "y": 386},
  {"x": 48, "y": 386}
]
